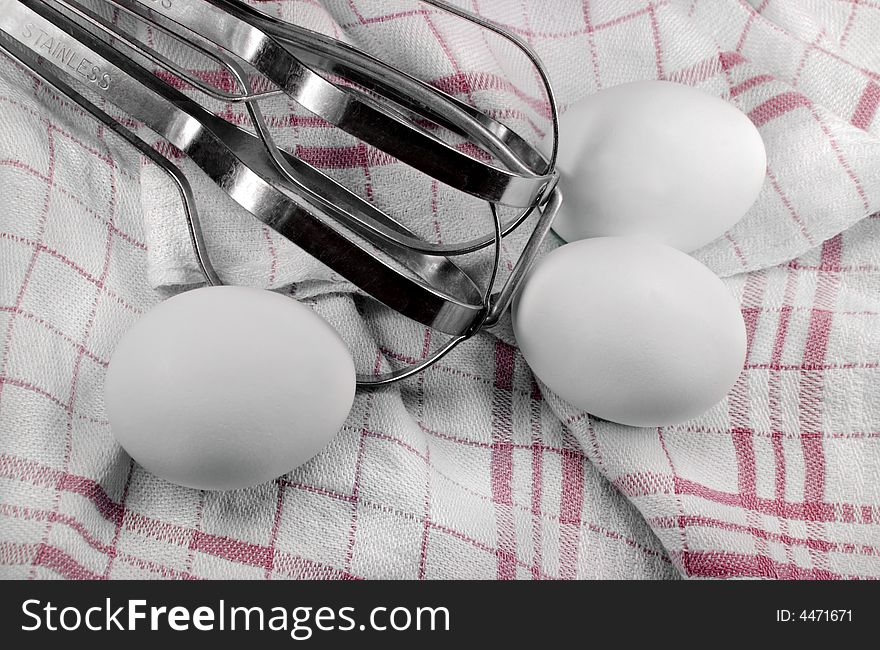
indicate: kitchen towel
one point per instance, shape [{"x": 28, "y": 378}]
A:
[{"x": 472, "y": 470}]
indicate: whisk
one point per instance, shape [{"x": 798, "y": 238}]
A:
[{"x": 80, "y": 52}]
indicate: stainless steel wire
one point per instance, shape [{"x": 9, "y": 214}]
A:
[{"x": 362, "y": 243}]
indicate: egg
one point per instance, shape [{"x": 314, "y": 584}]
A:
[
  {"x": 227, "y": 387},
  {"x": 630, "y": 331},
  {"x": 657, "y": 159}
]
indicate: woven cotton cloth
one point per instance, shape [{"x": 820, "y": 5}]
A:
[{"x": 472, "y": 470}]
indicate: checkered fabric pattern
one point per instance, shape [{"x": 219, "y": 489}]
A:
[{"x": 472, "y": 470}]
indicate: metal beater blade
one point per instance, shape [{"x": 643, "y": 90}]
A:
[{"x": 360, "y": 242}]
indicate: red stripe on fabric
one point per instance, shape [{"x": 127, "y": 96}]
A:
[
  {"x": 807, "y": 511},
  {"x": 74, "y": 383},
  {"x": 832, "y": 254},
  {"x": 740, "y": 44},
  {"x": 731, "y": 59},
  {"x": 273, "y": 255},
  {"x": 795, "y": 79},
  {"x": 537, "y": 519},
  {"x": 219, "y": 79},
  {"x": 572, "y": 489},
  {"x": 866, "y": 109},
  {"x": 449, "y": 53},
  {"x": 591, "y": 40},
  {"x": 34, "y": 389},
  {"x": 777, "y": 106},
  {"x": 155, "y": 567},
  {"x": 54, "y": 128},
  {"x": 60, "y": 562},
  {"x": 505, "y": 360},
  {"x": 384, "y": 18},
  {"x": 779, "y": 463},
  {"x": 502, "y": 471},
  {"x": 814, "y": 464},
  {"x": 343, "y": 157},
  {"x": 811, "y": 394},
  {"x": 487, "y": 445},
  {"x": 426, "y": 349},
  {"x": 773, "y": 399},
  {"x": 844, "y": 35},
  {"x": 570, "y": 509},
  {"x": 817, "y": 338},
  {"x": 537, "y": 479},
  {"x": 655, "y": 35},
  {"x": 231, "y": 549},
  {"x": 750, "y": 83},
  {"x": 764, "y": 534},
  {"x": 713, "y": 564},
  {"x": 94, "y": 492},
  {"x": 12, "y": 554},
  {"x": 745, "y": 461},
  {"x": 502, "y": 458},
  {"x": 17, "y": 164}
]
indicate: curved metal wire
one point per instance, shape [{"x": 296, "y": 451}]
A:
[
  {"x": 392, "y": 84},
  {"x": 490, "y": 314},
  {"x": 369, "y": 121},
  {"x": 366, "y": 381},
  {"x": 493, "y": 304},
  {"x": 379, "y": 229},
  {"x": 259, "y": 123},
  {"x": 551, "y": 198}
]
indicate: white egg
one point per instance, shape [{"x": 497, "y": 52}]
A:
[
  {"x": 630, "y": 331},
  {"x": 657, "y": 159},
  {"x": 227, "y": 387}
]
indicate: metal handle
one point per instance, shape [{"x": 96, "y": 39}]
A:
[{"x": 363, "y": 244}]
